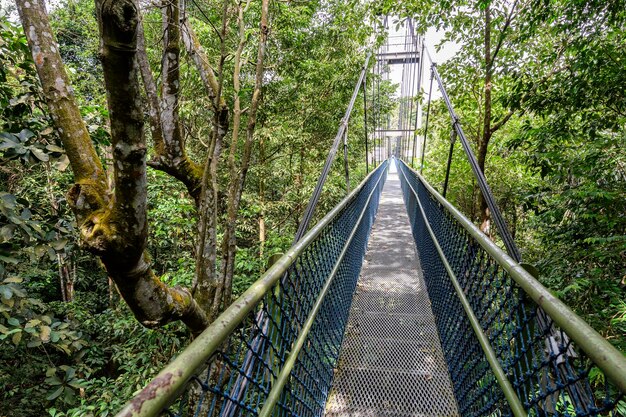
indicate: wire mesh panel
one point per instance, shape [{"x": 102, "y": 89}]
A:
[
  {"x": 548, "y": 371},
  {"x": 239, "y": 376},
  {"x": 391, "y": 363}
]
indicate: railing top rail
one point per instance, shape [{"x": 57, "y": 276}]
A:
[
  {"x": 171, "y": 381},
  {"x": 610, "y": 360}
]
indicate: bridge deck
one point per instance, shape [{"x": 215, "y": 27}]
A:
[{"x": 391, "y": 362}]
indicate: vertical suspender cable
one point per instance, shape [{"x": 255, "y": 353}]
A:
[
  {"x": 413, "y": 90},
  {"x": 416, "y": 86},
  {"x": 445, "y": 183},
  {"x": 406, "y": 74},
  {"x": 375, "y": 106},
  {"x": 419, "y": 89},
  {"x": 367, "y": 152},
  {"x": 413, "y": 59},
  {"x": 407, "y": 105},
  {"x": 383, "y": 141},
  {"x": 408, "y": 101},
  {"x": 430, "y": 92},
  {"x": 380, "y": 116},
  {"x": 345, "y": 159},
  {"x": 402, "y": 103}
]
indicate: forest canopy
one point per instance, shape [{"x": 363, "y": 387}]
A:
[{"x": 155, "y": 157}]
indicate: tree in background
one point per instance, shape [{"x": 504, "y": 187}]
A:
[
  {"x": 113, "y": 218},
  {"x": 554, "y": 142},
  {"x": 315, "y": 50},
  {"x": 574, "y": 142},
  {"x": 478, "y": 76}
]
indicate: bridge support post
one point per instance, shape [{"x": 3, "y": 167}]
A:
[{"x": 452, "y": 142}]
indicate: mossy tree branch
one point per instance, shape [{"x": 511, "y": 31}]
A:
[
  {"x": 113, "y": 224},
  {"x": 90, "y": 191},
  {"x": 170, "y": 155}
]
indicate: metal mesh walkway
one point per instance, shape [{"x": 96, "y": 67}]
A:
[{"x": 391, "y": 363}]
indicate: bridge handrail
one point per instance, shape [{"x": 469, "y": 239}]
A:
[
  {"x": 490, "y": 355},
  {"x": 605, "y": 356},
  {"x": 173, "y": 379}
]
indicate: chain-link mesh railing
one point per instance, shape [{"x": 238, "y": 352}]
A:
[
  {"x": 232, "y": 368},
  {"x": 562, "y": 369}
]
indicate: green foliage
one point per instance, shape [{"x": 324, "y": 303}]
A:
[
  {"x": 172, "y": 231},
  {"x": 574, "y": 140},
  {"x": 19, "y": 87},
  {"x": 63, "y": 357},
  {"x": 25, "y": 147},
  {"x": 30, "y": 336},
  {"x": 23, "y": 323},
  {"x": 557, "y": 167},
  {"x": 95, "y": 355},
  {"x": 76, "y": 29}
]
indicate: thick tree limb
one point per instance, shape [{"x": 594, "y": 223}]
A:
[
  {"x": 170, "y": 155},
  {"x": 125, "y": 230},
  {"x": 112, "y": 225},
  {"x": 89, "y": 192},
  {"x": 150, "y": 88}
]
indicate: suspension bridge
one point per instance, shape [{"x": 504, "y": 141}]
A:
[{"x": 394, "y": 303}]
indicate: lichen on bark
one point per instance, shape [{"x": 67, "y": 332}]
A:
[{"x": 112, "y": 222}]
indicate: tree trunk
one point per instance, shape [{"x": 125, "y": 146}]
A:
[
  {"x": 262, "y": 203},
  {"x": 170, "y": 155},
  {"x": 207, "y": 281},
  {"x": 237, "y": 181},
  {"x": 112, "y": 223}
]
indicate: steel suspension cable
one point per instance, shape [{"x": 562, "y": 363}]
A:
[
  {"x": 375, "y": 105},
  {"x": 367, "y": 152},
  {"x": 430, "y": 93},
  {"x": 258, "y": 345},
  {"x": 449, "y": 165},
  {"x": 507, "y": 238},
  {"x": 402, "y": 103},
  {"x": 499, "y": 220},
  {"x": 345, "y": 159},
  {"x": 283, "y": 377},
  {"x": 413, "y": 90},
  {"x": 379, "y": 113},
  {"x": 406, "y": 69},
  {"x": 419, "y": 105},
  {"x": 412, "y": 86},
  {"x": 384, "y": 139},
  {"x": 420, "y": 64}
]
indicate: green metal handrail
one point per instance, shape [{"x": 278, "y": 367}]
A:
[
  {"x": 605, "y": 356},
  {"x": 173, "y": 379},
  {"x": 279, "y": 383},
  {"x": 483, "y": 340}
]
